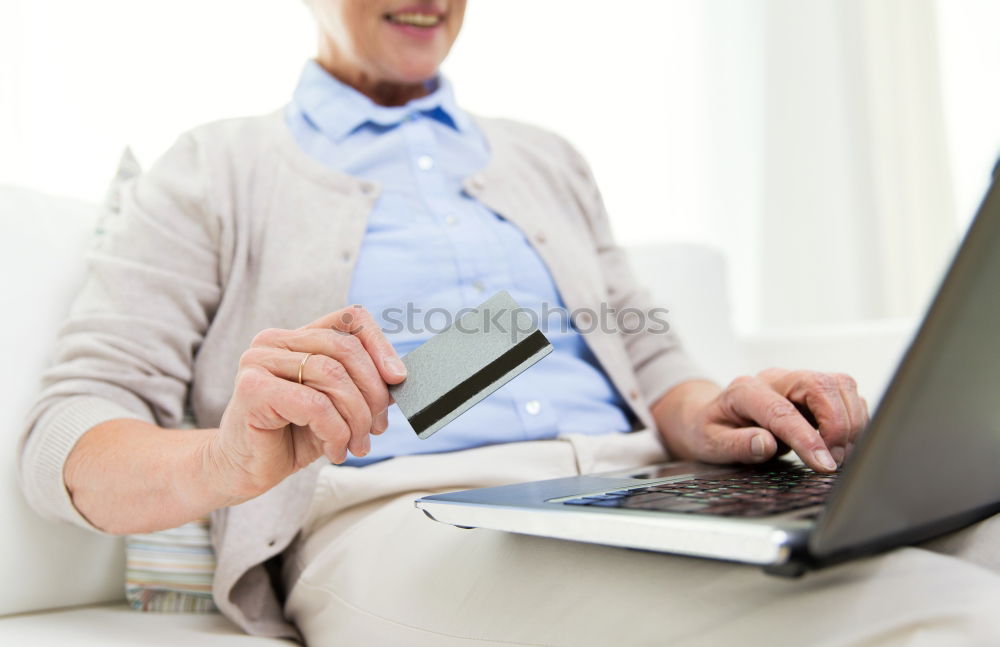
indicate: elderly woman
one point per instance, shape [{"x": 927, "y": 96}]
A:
[{"x": 221, "y": 289}]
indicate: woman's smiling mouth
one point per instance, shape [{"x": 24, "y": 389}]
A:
[{"x": 415, "y": 19}]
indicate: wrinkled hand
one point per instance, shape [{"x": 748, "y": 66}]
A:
[
  {"x": 817, "y": 415},
  {"x": 274, "y": 426}
]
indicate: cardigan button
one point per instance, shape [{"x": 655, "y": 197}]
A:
[
  {"x": 633, "y": 394},
  {"x": 540, "y": 238},
  {"x": 367, "y": 188},
  {"x": 476, "y": 182}
]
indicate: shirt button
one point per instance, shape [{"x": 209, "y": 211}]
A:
[
  {"x": 533, "y": 407},
  {"x": 478, "y": 286},
  {"x": 425, "y": 163},
  {"x": 451, "y": 220}
]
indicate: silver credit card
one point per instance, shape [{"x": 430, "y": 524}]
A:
[{"x": 481, "y": 351}]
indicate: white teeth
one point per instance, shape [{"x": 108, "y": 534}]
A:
[{"x": 415, "y": 19}]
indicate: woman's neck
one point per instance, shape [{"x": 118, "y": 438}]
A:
[{"x": 384, "y": 93}]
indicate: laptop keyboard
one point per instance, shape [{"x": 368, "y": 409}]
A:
[{"x": 748, "y": 493}]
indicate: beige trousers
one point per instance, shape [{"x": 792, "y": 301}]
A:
[{"x": 370, "y": 569}]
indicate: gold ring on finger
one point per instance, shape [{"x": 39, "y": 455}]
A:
[{"x": 302, "y": 365}]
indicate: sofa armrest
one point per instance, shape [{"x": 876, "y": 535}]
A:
[
  {"x": 868, "y": 351},
  {"x": 44, "y": 564}
]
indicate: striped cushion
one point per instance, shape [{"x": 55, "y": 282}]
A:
[{"x": 171, "y": 570}]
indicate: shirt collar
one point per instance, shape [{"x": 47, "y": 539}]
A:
[{"x": 337, "y": 109}]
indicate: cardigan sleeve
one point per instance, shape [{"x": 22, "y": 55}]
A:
[
  {"x": 128, "y": 346},
  {"x": 657, "y": 355}
]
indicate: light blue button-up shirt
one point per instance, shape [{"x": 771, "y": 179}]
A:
[{"x": 431, "y": 248}]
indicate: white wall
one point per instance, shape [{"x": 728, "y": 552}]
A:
[
  {"x": 89, "y": 78},
  {"x": 969, "y": 34}
]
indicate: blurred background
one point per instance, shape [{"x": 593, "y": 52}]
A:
[{"x": 833, "y": 150}]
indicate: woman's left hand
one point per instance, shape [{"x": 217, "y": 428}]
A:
[{"x": 755, "y": 418}]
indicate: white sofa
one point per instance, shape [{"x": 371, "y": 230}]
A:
[{"x": 64, "y": 586}]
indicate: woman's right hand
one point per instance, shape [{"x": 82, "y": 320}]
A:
[{"x": 274, "y": 426}]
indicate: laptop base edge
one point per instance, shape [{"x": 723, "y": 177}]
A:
[{"x": 762, "y": 544}]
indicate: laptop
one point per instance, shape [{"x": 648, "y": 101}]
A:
[{"x": 928, "y": 463}]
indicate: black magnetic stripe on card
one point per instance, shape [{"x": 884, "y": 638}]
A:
[{"x": 478, "y": 381}]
